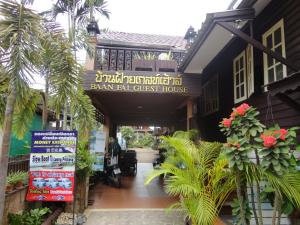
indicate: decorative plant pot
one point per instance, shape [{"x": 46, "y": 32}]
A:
[
  {"x": 19, "y": 185},
  {"x": 9, "y": 188}
]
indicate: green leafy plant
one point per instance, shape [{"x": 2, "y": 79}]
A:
[
  {"x": 236, "y": 211},
  {"x": 145, "y": 56},
  {"x": 275, "y": 163},
  {"x": 32, "y": 217},
  {"x": 276, "y": 154},
  {"x": 203, "y": 182},
  {"x": 85, "y": 160}
]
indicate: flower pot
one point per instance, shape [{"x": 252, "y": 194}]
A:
[
  {"x": 9, "y": 188},
  {"x": 19, "y": 185}
]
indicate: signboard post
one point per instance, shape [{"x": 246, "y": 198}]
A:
[{"x": 52, "y": 166}]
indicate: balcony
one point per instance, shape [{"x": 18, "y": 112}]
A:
[{"x": 118, "y": 59}]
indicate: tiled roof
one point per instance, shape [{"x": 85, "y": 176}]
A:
[{"x": 146, "y": 40}]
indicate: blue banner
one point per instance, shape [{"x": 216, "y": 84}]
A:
[{"x": 53, "y": 141}]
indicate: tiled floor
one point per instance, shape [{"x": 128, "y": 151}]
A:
[
  {"x": 134, "y": 203},
  {"x": 134, "y": 217},
  {"x": 133, "y": 193}
]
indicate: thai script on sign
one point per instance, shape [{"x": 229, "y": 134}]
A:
[{"x": 120, "y": 78}]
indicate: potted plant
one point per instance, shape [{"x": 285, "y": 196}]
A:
[
  {"x": 9, "y": 185},
  {"x": 18, "y": 179}
]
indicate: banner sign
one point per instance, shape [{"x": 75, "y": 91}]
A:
[
  {"x": 52, "y": 166},
  {"x": 97, "y": 147},
  {"x": 142, "y": 81}
]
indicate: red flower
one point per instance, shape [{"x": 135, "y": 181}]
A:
[
  {"x": 227, "y": 122},
  {"x": 232, "y": 115},
  {"x": 282, "y": 133},
  {"x": 241, "y": 110},
  {"x": 269, "y": 141}
]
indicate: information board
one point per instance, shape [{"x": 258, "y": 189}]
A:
[
  {"x": 97, "y": 147},
  {"x": 52, "y": 166}
]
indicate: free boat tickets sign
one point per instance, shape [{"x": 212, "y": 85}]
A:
[{"x": 52, "y": 166}]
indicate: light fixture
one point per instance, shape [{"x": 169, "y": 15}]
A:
[{"x": 93, "y": 29}]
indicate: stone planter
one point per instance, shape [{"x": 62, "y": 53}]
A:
[
  {"x": 143, "y": 65},
  {"x": 14, "y": 202},
  {"x": 166, "y": 66}
]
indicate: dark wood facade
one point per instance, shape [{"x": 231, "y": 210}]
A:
[
  {"x": 118, "y": 58},
  {"x": 272, "y": 108}
]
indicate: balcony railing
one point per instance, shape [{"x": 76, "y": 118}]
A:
[{"x": 109, "y": 58}]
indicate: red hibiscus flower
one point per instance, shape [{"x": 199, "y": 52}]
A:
[
  {"x": 282, "y": 133},
  {"x": 269, "y": 141},
  {"x": 241, "y": 110},
  {"x": 232, "y": 115},
  {"x": 227, "y": 122}
]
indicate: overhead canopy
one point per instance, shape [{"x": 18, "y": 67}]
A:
[
  {"x": 212, "y": 38},
  {"x": 138, "y": 108}
]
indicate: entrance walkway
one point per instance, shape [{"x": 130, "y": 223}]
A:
[
  {"x": 134, "y": 203},
  {"x": 134, "y": 217},
  {"x": 133, "y": 193}
]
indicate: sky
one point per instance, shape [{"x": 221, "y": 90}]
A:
[{"x": 168, "y": 17}]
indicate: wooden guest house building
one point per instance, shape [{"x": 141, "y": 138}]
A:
[{"x": 248, "y": 54}]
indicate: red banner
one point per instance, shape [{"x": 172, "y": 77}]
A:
[{"x": 51, "y": 186}]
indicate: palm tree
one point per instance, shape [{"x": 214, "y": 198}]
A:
[
  {"x": 199, "y": 176},
  {"x": 79, "y": 14},
  {"x": 20, "y": 29}
]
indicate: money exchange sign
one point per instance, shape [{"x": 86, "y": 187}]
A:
[{"x": 52, "y": 166}]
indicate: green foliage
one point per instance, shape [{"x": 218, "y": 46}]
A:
[
  {"x": 20, "y": 29},
  {"x": 33, "y": 217},
  {"x": 145, "y": 56},
  {"x": 236, "y": 211},
  {"x": 277, "y": 158},
  {"x": 128, "y": 134},
  {"x": 84, "y": 114},
  {"x": 204, "y": 182},
  {"x": 24, "y": 112},
  {"x": 143, "y": 140},
  {"x": 15, "y": 177},
  {"x": 276, "y": 167},
  {"x": 243, "y": 128},
  {"x": 85, "y": 160}
]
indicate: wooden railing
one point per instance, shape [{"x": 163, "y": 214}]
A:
[
  {"x": 18, "y": 163},
  {"x": 116, "y": 59}
]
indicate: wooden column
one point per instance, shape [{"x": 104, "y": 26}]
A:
[
  {"x": 189, "y": 106},
  {"x": 90, "y": 61},
  {"x": 106, "y": 129}
]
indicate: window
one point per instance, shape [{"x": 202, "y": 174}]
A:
[
  {"x": 239, "y": 77},
  {"x": 274, "y": 40},
  {"x": 210, "y": 96},
  {"x": 243, "y": 75}
]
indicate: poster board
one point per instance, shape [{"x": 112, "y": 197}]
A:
[
  {"x": 97, "y": 148},
  {"x": 52, "y": 166}
]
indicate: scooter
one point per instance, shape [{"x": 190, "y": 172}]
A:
[{"x": 113, "y": 173}]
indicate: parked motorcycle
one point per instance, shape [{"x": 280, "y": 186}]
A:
[{"x": 113, "y": 173}]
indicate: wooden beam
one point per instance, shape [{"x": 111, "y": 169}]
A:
[
  {"x": 258, "y": 45},
  {"x": 289, "y": 101}
]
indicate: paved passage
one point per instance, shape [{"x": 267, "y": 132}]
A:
[
  {"x": 134, "y": 217},
  {"x": 134, "y": 203}
]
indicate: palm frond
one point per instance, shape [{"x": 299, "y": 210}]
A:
[
  {"x": 24, "y": 112},
  {"x": 202, "y": 180},
  {"x": 20, "y": 29},
  {"x": 84, "y": 113}
]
